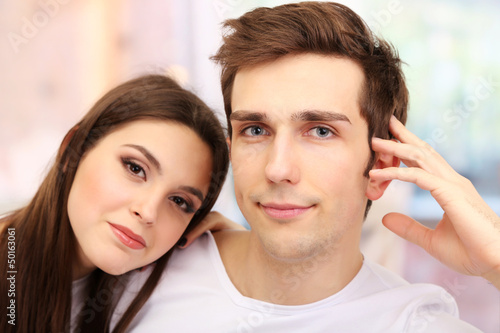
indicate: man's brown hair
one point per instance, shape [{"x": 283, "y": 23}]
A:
[{"x": 325, "y": 28}]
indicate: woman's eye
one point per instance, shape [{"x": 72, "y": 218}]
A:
[
  {"x": 183, "y": 204},
  {"x": 254, "y": 131},
  {"x": 134, "y": 168}
]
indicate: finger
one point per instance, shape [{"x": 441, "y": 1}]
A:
[
  {"x": 407, "y": 153},
  {"x": 423, "y": 151},
  {"x": 192, "y": 235},
  {"x": 401, "y": 133},
  {"x": 423, "y": 179},
  {"x": 197, "y": 231},
  {"x": 207, "y": 224},
  {"x": 409, "y": 229},
  {"x": 424, "y": 157}
]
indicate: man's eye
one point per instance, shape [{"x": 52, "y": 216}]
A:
[
  {"x": 321, "y": 132},
  {"x": 254, "y": 131}
]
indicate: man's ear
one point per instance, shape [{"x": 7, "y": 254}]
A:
[{"x": 376, "y": 188}]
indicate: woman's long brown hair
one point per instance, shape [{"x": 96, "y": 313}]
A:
[{"x": 44, "y": 241}]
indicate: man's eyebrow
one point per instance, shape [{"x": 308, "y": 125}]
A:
[
  {"x": 306, "y": 115},
  {"x": 146, "y": 154},
  {"x": 319, "y": 115},
  {"x": 242, "y": 115},
  {"x": 193, "y": 190}
]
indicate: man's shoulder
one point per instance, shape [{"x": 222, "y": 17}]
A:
[
  {"x": 384, "y": 276},
  {"x": 383, "y": 281},
  {"x": 229, "y": 239}
]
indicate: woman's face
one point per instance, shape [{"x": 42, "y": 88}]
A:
[{"x": 134, "y": 194}]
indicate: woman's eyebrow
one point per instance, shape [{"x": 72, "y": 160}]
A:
[
  {"x": 193, "y": 190},
  {"x": 146, "y": 154}
]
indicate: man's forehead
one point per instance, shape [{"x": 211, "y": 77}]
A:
[{"x": 295, "y": 88}]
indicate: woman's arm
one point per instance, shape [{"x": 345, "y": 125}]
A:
[{"x": 214, "y": 221}]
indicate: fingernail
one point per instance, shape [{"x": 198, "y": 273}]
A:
[{"x": 182, "y": 241}]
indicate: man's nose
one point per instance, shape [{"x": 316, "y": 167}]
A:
[{"x": 282, "y": 163}]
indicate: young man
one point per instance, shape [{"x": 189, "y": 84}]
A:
[{"x": 306, "y": 89}]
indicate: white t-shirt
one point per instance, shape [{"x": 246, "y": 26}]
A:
[{"x": 196, "y": 295}]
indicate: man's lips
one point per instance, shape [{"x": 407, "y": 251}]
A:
[
  {"x": 128, "y": 237},
  {"x": 283, "y": 210}
]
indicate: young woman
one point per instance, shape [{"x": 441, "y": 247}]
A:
[{"x": 141, "y": 169}]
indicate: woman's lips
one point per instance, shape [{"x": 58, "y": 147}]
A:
[
  {"x": 284, "y": 211},
  {"x": 128, "y": 237}
]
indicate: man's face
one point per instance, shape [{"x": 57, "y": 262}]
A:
[{"x": 298, "y": 151}]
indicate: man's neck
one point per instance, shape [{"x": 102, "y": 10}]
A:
[{"x": 258, "y": 275}]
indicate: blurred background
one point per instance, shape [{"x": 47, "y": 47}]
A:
[{"x": 57, "y": 57}]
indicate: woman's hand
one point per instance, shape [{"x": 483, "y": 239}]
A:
[
  {"x": 467, "y": 239},
  {"x": 214, "y": 221}
]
